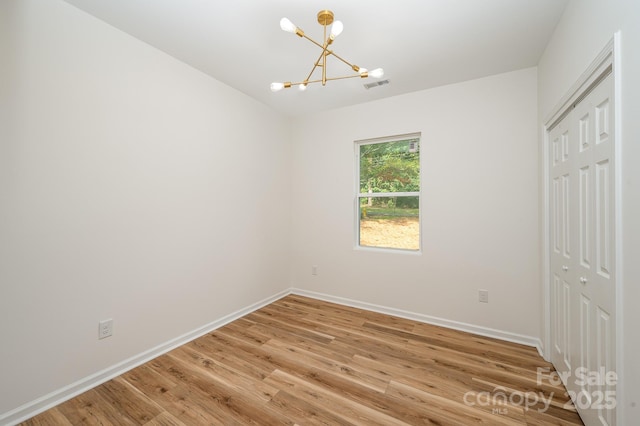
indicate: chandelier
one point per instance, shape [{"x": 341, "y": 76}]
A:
[{"x": 325, "y": 18}]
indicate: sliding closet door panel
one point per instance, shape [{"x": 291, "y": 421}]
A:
[
  {"x": 561, "y": 251},
  {"x": 583, "y": 253}
]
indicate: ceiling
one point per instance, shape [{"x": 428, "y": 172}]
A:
[{"x": 419, "y": 43}]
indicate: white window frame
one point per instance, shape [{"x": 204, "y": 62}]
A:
[{"x": 358, "y": 195}]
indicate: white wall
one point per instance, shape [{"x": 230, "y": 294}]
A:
[
  {"x": 583, "y": 31},
  {"x": 131, "y": 186},
  {"x": 479, "y": 204}
]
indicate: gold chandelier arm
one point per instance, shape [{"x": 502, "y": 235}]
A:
[
  {"x": 327, "y": 79},
  {"x": 315, "y": 65},
  {"x": 313, "y": 41},
  {"x": 324, "y": 55},
  {"x": 347, "y": 76},
  {"x": 325, "y": 50},
  {"x": 331, "y": 52},
  {"x": 353, "y": 67}
]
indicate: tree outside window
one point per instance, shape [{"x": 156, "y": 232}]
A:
[{"x": 389, "y": 193}]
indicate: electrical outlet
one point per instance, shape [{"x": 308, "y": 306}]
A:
[
  {"x": 314, "y": 270},
  {"x": 483, "y": 296},
  {"x": 105, "y": 328}
]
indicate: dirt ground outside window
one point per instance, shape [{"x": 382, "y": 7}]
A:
[{"x": 402, "y": 233}]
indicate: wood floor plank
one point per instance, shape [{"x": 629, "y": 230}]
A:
[
  {"x": 483, "y": 352},
  {"x": 246, "y": 332},
  {"x": 128, "y": 401},
  {"x": 48, "y": 418},
  {"x": 221, "y": 372},
  {"x": 281, "y": 336},
  {"x": 447, "y": 411},
  {"x": 302, "y": 361},
  {"x": 331, "y": 399},
  {"x": 191, "y": 406},
  {"x": 164, "y": 419},
  {"x": 448, "y": 384},
  {"x": 435, "y": 331},
  {"x": 91, "y": 408},
  {"x": 298, "y": 329},
  {"x": 306, "y": 413},
  {"x": 148, "y": 381},
  {"x": 226, "y": 402}
]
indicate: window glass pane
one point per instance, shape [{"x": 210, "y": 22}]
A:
[
  {"x": 390, "y": 222},
  {"x": 390, "y": 167}
]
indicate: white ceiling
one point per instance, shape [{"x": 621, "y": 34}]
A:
[{"x": 419, "y": 43}]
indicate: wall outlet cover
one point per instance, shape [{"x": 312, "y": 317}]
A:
[{"x": 105, "y": 328}]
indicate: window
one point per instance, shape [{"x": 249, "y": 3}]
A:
[{"x": 388, "y": 192}]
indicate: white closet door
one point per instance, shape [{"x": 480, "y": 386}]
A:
[
  {"x": 583, "y": 254},
  {"x": 563, "y": 150}
]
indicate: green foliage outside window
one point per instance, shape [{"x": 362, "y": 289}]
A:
[{"x": 390, "y": 167}]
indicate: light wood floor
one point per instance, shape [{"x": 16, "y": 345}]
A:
[{"x": 303, "y": 361}]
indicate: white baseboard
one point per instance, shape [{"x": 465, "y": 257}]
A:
[
  {"x": 56, "y": 397},
  {"x": 470, "y": 328},
  {"x": 52, "y": 399}
]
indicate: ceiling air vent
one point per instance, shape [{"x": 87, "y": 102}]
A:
[{"x": 376, "y": 84}]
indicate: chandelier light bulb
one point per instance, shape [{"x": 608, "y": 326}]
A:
[
  {"x": 336, "y": 29},
  {"x": 302, "y": 87},
  {"x": 362, "y": 70},
  {"x": 287, "y": 25},
  {"x": 377, "y": 73},
  {"x": 276, "y": 87}
]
